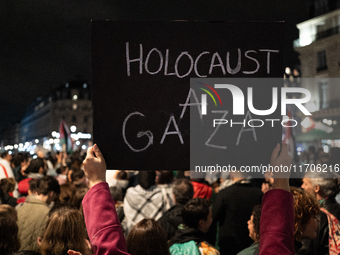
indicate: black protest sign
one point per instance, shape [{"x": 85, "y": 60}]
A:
[{"x": 141, "y": 83}]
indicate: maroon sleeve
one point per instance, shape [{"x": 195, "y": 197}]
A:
[
  {"x": 102, "y": 224},
  {"x": 277, "y": 223}
]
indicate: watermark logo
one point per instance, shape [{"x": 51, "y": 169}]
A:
[
  {"x": 239, "y": 99},
  {"x": 204, "y": 97}
]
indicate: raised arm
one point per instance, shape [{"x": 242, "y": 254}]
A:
[
  {"x": 277, "y": 212},
  {"x": 102, "y": 224}
]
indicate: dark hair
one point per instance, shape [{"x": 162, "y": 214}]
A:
[
  {"x": 33, "y": 183},
  {"x": 122, "y": 175},
  {"x": 26, "y": 253},
  {"x": 47, "y": 184},
  {"x": 256, "y": 219},
  {"x": 195, "y": 210},
  {"x": 165, "y": 177},
  {"x": 10, "y": 210},
  {"x": 183, "y": 191},
  {"x": 78, "y": 197},
  {"x": 9, "y": 240},
  {"x": 146, "y": 179},
  {"x": 35, "y": 165},
  {"x": 147, "y": 238},
  {"x": 116, "y": 193},
  {"x": 65, "y": 229},
  {"x": 7, "y": 184},
  {"x": 67, "y": 192},
  {"x": 76, "y": 175},
  {"x": 4, "y": 154},
  {"x": 17, "y": 159}
]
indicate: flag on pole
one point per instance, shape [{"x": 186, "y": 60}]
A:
[{"x": 65, "y": 137}]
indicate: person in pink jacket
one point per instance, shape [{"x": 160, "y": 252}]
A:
[
  {"x": 277, "y": 216},
  {"x": 102, "y": 223},
  {"x": 105, "y": 232}
]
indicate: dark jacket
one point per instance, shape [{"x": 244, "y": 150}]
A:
[
  {"x": 319, "y": 246},
  {"x": 171, "y": 219},
  {"x": 192, "y": 234},
  {"x": 232, "y": 210}
]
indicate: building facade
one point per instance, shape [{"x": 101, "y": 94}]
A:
[
  {"x": 319, "y": 49},
  {"x": 71, "y": 103}
]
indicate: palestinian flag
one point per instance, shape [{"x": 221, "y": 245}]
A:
[{"x": 65, "y": 137}]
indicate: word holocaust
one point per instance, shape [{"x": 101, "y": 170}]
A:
[{"x": 253, "y": 123}]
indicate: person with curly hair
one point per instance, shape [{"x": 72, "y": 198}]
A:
[
  {"x": 254, "y": 232},
  {"x": 325, "y": 191},
  {"x": 306, "y": 210}
]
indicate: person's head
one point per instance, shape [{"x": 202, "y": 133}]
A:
[
  {"x": 17, "y": 159},
  {"x": 311, "y": 150},
  {"x": 116, "y": 193},
  {"x": 9, "y": 240},
  {"x": 183, "y": 191},
  {"x": 197, "y": 214},
  {"x": 78, "y": 177},
  {"x": 78, "y": 197},
  {"x": 37, "y": 165},
  {"x": 65, "y": 229},
  {"x": 122, "y": 175},
  {"x": 146, "y": 179},
  {"x": 306, "y": 209},
  {"x": 67, "y": 192},
  {"x": 8, "y": 184},
  {"x": 10, "y": 210},
  {"x": 319, "y": 187},
  {"x": 164, "y": 177},
  {"x": 147, "y": 238},
  {"x": 254, "y": 224},
  {"x": 6, "y": 156},
  {"x": 33, "y": 183},
  {"x": 48, "y": 189}
]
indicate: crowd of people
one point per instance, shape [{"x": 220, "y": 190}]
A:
[{"x": 61, "y": 204}]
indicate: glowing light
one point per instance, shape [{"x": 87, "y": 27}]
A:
[
  {"x": 75, "y": 97},
  {"x": 36, "y": 141},
  {"x": 306, "y": 122},
  {"x": 78, "y": 143},
  {"x": 73, "y": 129},
  {"x": 83, "y": 147},
  {"x": 299, "y": 149},
  {"x": 16, "y": 146},
  {"x": 326, "y": 149}
]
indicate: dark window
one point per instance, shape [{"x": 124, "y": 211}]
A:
[
  {"x": 321, "y": 61},
  {"x": 74, "y": 118},
  {"x": 86, "y": 118}
]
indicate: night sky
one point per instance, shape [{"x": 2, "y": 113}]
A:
[{"x": 46, "y": 43}]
